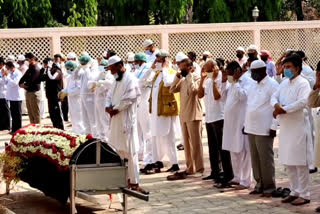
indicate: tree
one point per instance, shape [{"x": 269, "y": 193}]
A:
[
  {"x": 169, "y": 11},
  {"x": 61, "y": 10},
  {"x": 83, "y": 13}
]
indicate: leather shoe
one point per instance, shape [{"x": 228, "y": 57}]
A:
[{"x": 210, "y": 177}]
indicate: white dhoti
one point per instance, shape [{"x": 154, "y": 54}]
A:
[
  {"x": 241, "y": 165},
  {"x": 299, "y": 179}
]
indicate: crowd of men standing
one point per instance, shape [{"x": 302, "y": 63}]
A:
[{"x": 141, "y": 105}]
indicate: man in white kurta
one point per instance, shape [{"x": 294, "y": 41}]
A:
[
  {"x": 236, "y": 92},
  {"x": 122, "y": 106},
  {"x": 164, "y": 129},
  {"x": 290, "y": 102}
]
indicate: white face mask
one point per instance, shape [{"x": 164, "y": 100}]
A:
[
  {"x": 137, "y": 66},
  {"x": 230, "y": 79},
  {"x": 115, "y": 76},
  {"x": 158, "y": 66},
  {"x": 69, "y": 71},
  {"x": 210, "y": 75}
]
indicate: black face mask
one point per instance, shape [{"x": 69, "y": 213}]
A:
[
  {"x": 204, "y": 58},
  {"x": 264, "y": 58},
  {"x": 184, "y": 73},
  {"x": 239, "y": 56},
  {"x": 251, "y": 55},
  {"x": 257, "y": 76}
]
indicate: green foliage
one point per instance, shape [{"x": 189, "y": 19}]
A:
[{"x": 83, "y": 13}]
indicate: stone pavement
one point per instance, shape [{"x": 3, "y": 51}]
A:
[{"x": 187, "y": 196}]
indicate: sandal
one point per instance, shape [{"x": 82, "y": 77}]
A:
[
  {"x": 277, "y": 193},
  {"x": 300, "y": 201}
]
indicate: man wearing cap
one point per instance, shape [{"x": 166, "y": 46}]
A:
[
  {"x": 52, "y": 76},
  {"x": 164, "y": 108},
  {"x": 30, "y": 81},
  {"x": 187, "y": 83},
  {"x": 235, "y": 91},
  {"x": 72, "y": 90},
  {"x": 252, "y": 53},
  {"x": 151, "y": 50},
  {"x": 261, "y": 129},
  {"x": 122, "y": 106},
  {"x": 72, "y": 57},
  {"x": 143, "y": 115},
  {"x": 101, "y": 86},
  {"x": 241, "y": 58},
  {"x": 129, "y": 63},
  {"x": 87, "y": 74},
  {"x": 205, "y": 56}
]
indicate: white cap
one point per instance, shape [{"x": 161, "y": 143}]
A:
[
  {"x": 105, "y": 54},
  {"x": 21, "y": 58},
  {"x": 71, "y": 55},
  {"x": 257, "y": 64},
  {"x": 252, "y": 48},
  {"x": 113, "y": 60},
  {"x": 206, "y": 53},
  {"x": 11, "y": 58},
  {"x": 147, "y": 43},
  {"x": 181, "y": 56},
  {"x": 130, "y": 57},
  {"x": 240, "y": 49}
]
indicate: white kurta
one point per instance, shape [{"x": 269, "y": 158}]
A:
[
  {"x": 124, "y": 135},
  {"x": 293, "y": 142},
  {"x": 234, "y": 113}
]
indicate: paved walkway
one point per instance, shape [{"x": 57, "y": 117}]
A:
[{"x": 187, "y": 196}]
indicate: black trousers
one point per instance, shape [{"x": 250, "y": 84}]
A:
[
  {"x": 215, "y": 133},
  {"x": 4, "y": 115},
  {"x": 65, "y": 108},
  {"x": 55, "y": 112},
  {"x": 16, "y": 115}
]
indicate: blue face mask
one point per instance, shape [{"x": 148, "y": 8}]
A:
[
  {"x": 148, "y": 52},
  {"x": 288, "y": 73}
]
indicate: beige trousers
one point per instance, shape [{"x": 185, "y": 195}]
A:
[
  {"x": 33, "y": 106},
  {"x": 192, "y": 133}
]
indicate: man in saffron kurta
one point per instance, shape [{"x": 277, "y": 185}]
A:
[{"x": 122, "y": 106}]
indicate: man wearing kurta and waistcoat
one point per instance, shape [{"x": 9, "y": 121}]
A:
[
  {"x": 187, "y": 83},
  {"x": 122, "y": 106},
  {"x": 164, "y": 110},
  {"x": 289, "y": 103}
]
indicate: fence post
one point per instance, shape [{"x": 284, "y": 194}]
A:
[
  {"x": 55, "y": 45},
  {"x": 164, "y": 41},
  {"x": 257, "y": 37}
]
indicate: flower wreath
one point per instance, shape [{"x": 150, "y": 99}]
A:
[{"x": 54, "y": 144}]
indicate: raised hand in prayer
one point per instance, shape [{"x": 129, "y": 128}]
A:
[{"x": 203, "y": 73}]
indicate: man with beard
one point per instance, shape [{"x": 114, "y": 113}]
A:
[{"x": 122, "y": 106}]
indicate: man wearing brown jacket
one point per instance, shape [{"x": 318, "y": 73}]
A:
[{"x": 187, "y": 83}]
